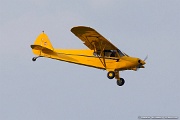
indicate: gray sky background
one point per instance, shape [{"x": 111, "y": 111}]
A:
[{"x": 53, "y": 90}]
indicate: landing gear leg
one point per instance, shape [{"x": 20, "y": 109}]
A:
[{"x": 112, "y": 74}]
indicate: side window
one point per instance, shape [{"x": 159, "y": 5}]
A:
[
  {"x": 113, "y": 53},
  {"x": 110, "y": 53},
  {"x": 107, "y": 53},
  {"x": 97, "y": 53}
]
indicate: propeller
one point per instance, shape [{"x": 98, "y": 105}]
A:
[{"x": 140, "y": 64}]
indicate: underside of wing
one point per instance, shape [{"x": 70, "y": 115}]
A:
[{"x": 92, "y": 39}]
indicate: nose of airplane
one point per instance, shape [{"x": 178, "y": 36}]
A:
[{"x": 141, "y": 62}]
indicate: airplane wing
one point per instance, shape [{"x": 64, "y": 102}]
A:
[{"x": 92, "y": 39}]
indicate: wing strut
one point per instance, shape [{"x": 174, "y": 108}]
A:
[{"x": 101, "y": 53}]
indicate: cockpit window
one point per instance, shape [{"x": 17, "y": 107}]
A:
[
  {"x": 110, "y": 53},
  {"x": 107, "y": 53}
]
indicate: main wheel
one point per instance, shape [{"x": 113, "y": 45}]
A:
[
  {"x": 120, "y": 82},
  {"x": 111, "y": 74}
]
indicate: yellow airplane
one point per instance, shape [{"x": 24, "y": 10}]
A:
[{"x": 101, "y": 53}]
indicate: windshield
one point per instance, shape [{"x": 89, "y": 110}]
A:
[{"x": 120, "y": 53}]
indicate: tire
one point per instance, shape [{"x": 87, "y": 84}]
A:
[
  {"x": 120, "y": 82},
  {"x": 34, "y": 59},
  {"x": 111, "y": 74}
]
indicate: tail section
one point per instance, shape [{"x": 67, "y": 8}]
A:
[{"x": 42, "y": 45}]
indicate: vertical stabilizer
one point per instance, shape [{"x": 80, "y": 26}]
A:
[{"x": 41, "y": 43}]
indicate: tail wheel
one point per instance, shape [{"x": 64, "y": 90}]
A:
[
  {"x": 120, "y": 82},
  {"x": 34, "y": 58},
  {"x": 111, "y": 74}
]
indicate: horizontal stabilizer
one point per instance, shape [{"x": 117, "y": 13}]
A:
[{"x": 42, "y": 49}]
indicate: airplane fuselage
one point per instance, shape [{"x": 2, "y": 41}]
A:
[{"x": 86, "y": 58}]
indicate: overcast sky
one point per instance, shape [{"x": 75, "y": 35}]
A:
[{"x": 53, "y": 90}]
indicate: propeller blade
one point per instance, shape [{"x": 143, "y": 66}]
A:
[{"x": 146, "y": 58}]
